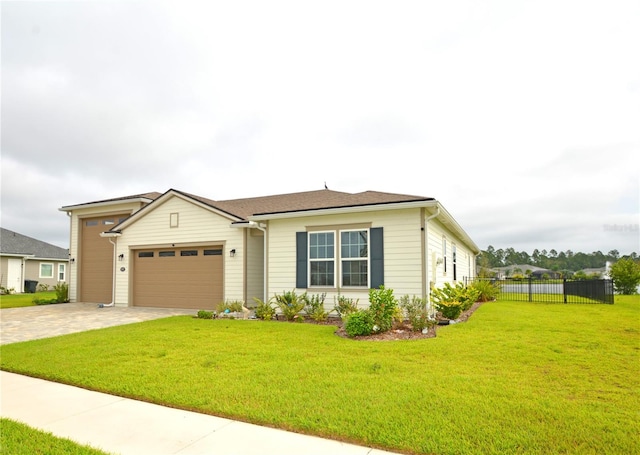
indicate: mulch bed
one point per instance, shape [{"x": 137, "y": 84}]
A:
[{"x": 402, "y": 332}]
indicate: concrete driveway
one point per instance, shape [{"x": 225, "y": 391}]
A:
[{"x": 44, "y": 321}]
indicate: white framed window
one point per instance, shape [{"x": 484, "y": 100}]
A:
[
  {"x": 444, "y": 254},
  {"x": 351, "y": 251},
  {"x": 46, "y": 270},
  {"x": 62, "y": 272},
  {"x": 322, "y": 253},
  {"x": 354, "y": 256}
]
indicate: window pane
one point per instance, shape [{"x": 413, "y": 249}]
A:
[
  {"x": 145, "y": 254},
  {"x": 46, "y": 270},
  {"x": 213, "y": 252},
  {"x": 165, "y": 254},
  {"x": 354, "y": 244},
  {"x": 322, "y": 273},
  {"x": 189, "y": 253},
  {"x": 354, "y": 273},
  {"x": 321, "y": 245}
]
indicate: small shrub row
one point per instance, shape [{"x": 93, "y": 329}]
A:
[
  {"x": 451, "y": 301},
  {"x": 62, "y": 295},
  {"x": 291, "y": 305}
]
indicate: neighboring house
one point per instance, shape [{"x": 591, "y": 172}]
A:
[
  {"x": 524, "y": 269},
  {"x": 600, "y": 272},
  {"x": 180, "y": 250},
  {"x": 25, "y": 258}
]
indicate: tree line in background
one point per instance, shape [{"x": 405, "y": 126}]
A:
[{"x": 552, "y": 259}]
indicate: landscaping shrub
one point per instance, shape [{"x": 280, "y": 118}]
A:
[
  {"x": 62, "y": 292},
  {"x": 487, "y": 290},
  {"x": 45, "y": 301},
  {"x": 203, "y": 314},
  {"x": 314, "y": 307},
  {"x": 450, "y": 301},
  {"x": 359, "y": 323},
  {"x": 290, "y": 304},
  {"x": 264, "y": 310},
  {"x": 382, "y": 306},
  {"x": 6, "y": 291},
  {"x": 344, "y": 306},
  {"x": 416, "y": 312},
  {"x": 42, "y": 287}
]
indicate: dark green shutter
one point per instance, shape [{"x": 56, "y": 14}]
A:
[
  {"x": 377, "y": 257},
  {"x": 301, "y": 260}
]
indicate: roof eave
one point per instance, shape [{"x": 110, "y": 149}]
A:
[
  {"x": 344, "y": 209},
  {"x": 70, "y": 208}
]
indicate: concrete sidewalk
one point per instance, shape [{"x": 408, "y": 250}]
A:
[{"x": 123, "y": 426}]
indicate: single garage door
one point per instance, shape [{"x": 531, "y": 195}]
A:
[
  {"x": 96, "y": 258},
  {"x": 189, "y": 277}
]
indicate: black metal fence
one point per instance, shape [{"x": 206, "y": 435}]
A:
[{"x": 553, "y": 291}]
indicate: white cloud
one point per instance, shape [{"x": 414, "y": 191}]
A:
[{"x": 520, "y": 117}]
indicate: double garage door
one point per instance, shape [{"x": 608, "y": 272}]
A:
[{"x": 188, "y": 277}]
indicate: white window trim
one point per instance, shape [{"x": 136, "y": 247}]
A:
[
  {"x": 62, "y": 270},
  {"x": 40, "y": 275},
  {"x": 359, "y": 259},
  {"x": 310, "y": 260},
  {"x": 337, "y": 258}
]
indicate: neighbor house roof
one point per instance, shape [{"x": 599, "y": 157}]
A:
[{"x": 12, "y": 243}]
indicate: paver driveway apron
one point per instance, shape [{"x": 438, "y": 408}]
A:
[{"x": 44, "y": 321}]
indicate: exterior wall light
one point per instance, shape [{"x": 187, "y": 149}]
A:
[{"x": 232, "y": 253}]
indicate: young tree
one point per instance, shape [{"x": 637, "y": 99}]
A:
[{"x": 626, "y": 276}]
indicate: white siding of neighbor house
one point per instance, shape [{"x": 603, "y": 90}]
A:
[
  {"x": 196, "y": 225},
  {"x": 402, "y": 252},
  {"x": 75, "y": 224}
]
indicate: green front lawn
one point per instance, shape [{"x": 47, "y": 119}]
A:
[
  {"x": 516, "y": 377},
  {"x": 20, "y": 300},
  {"x": 19, "y": 439}
]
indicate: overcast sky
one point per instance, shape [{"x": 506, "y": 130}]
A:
[{"x": 521, "y": 117}]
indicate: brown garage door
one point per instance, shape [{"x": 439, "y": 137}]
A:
[
  {"x": 96, "y": 259},
  {"x": 178, "y": 277}
]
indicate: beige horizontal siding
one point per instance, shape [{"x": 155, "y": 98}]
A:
[{"x": 196, "y": 225}]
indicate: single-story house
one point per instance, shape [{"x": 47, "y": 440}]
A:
[
  {"x": 180, "y": 250},
  {"x": 25, "y": 258},
  {"x": 524, "y": 269}
]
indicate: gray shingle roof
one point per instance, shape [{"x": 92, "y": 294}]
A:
[
  {"x": 14, "y": 243},
  {"x": 309, "y": 200},
  {"x": 152, "y": 196},
  {"x": 283, "y": 203}
]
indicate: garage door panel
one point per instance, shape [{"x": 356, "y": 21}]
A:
[
  {"x": 188, "y": 279},
  {"x": 96, "y": 259}
]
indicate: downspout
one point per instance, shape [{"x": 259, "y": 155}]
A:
[
  {"x": 69, "y": 261},
  {"x": 109, "y": 236},
  {"x": 428, "y": 271}
]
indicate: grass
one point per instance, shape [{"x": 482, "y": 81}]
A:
[
  {"x": 19, "y": 439},
  {"x": 22, "y": 300},
  {"x": 517, "y": 377}
]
